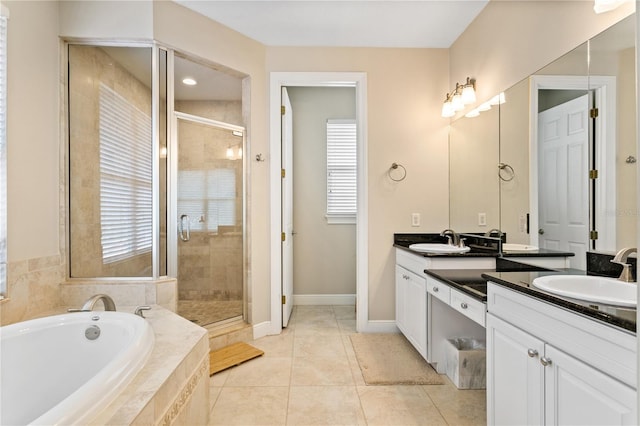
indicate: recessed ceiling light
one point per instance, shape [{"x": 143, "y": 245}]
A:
[{"x": 189, "y": 81}]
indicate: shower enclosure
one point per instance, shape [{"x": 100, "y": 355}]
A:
[
  {"x": 210, "y": 219},
  {"x": 151, "y": 197}
]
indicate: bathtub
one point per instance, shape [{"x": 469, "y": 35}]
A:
[{"x": 63, "y": 370}]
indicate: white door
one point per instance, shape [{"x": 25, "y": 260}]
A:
[
  {"x": 515, "y": 377},
  {"x": 578, "y": 394},
  {"x": 287, "y": 208},
  {"x": 563, "y": 183}
]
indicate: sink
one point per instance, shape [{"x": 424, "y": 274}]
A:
[
  {"x": 438, "y": 248},
  {"x": 610, "y": 291},
  {"x": 517, "y": 247}
]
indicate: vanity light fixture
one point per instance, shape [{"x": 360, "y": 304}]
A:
[
  {"x": 486, "y": 106},
  {"x": 473, "y": 113},
  {"x": 189, "y": 81},
  {"x": 463, "y": 94}
]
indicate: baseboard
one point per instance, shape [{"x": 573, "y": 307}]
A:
[
  {"x": 263, "y": 329},
  {"x": 380, "y": 326},
  {"x": 324, "y": 299}
]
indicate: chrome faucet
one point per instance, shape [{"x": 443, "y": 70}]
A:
[
  {"x": 453, "y": 238},
  {"x": 621, "y": 259},
  {"x": 109, "y": 304},
  {"x": 493, "y": 231}
]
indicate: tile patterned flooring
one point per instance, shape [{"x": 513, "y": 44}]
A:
[
  {"x": 205, "y": 312},
  {"x": 309, "y": 375}
]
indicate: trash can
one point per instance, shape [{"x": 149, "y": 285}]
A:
[{"x": 466, "y": 362}]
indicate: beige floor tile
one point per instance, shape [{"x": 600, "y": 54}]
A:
[
  {"x": 358, "y": 378},
  {"x": 347, "y": 326},
  {"x": 313, "y": 371},
  {"x": 324, "y": 405},
  {"x": 262, "y": 371},
  {"x": 275, "y": 346},
  {"x": 250, "y": 406},
  {"x": 344, "y": 312},
  {"x": 398, "y": 405},
  {"x": 214, "y": 392},
  {"x": 459, "y": 407},
  {"x": 219, "y": 378},
  {"x": 329, "y": 346}
]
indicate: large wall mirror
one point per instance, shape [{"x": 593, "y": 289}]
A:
[{"x": 549, "y": 140}]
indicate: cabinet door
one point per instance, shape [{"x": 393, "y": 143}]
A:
[
  {"x": 411, "y": 308},
  {"x": 402, "y": 280},
  {"x": 515, "y": 376},
  {"x": 578, "y": 394}
]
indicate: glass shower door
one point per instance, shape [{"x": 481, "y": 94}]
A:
[{"x": 210, "y": 213}]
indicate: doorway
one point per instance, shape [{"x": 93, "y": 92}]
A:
[
  {"x": 319, "y": 196},
  {"x": 306, "y": 79}
]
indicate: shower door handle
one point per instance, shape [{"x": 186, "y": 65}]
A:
[{"x": 185, "y": 232}]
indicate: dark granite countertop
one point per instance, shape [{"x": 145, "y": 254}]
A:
[
  {"x": 477, "y": 244},
  {"x": 469, "y": 281},
  {"x": 624, "y": 318}
]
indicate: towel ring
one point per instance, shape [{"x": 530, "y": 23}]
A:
[
  {"x": 508, "y": 170},
  {"x": 395, "y": 166}
]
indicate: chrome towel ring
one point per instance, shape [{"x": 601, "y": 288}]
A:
[
  {"x": 505, "y": 172},
  {"x": 400, "y": 176}
]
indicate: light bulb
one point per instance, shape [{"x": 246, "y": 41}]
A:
[
  {"x": 472, "y": 113},
  {"x": 484, "y": 106},
  {"x": 468, "y": 93},
  {"x": 447, "y": 109},
  {"x": 239, "y": 152}
]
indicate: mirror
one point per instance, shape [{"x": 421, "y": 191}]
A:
[
  {"x": 474, "y": 192},
  {"x": 551, "y": 180}
]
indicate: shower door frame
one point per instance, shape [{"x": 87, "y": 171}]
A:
[{"x": 172, "y": 208}]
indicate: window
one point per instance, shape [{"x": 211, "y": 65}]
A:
[
  {"x": 208, "y": 197},
  {"x": 125, "y": 178},
  {"x": 341, "y": 171},
  {"x": 4, "y": 16}
]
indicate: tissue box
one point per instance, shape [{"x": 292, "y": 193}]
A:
[{"x": 466, "y": 362}]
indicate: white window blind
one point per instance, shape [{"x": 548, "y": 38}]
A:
[
  {"x": 208, "y": 197},
  {"x": 341, "y": 171},
  {"x": 125, "y": 178},
  {"x": 3, "y": 151}
]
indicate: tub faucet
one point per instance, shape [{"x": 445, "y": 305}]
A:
[
  {"x": 621, "y": 259},
  {"x": 109, "y": 304}
]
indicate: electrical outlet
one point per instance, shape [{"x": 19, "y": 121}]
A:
[
  {"x": 482, "y": 219},
  {"x": 415, "y": 219},
  {"x": 522, "y": 223}
]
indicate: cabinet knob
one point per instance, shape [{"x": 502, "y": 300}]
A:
[
  {"x": 463, "y": 305},
  {"x": 436, "y": 289},
  {"x": 532, "y": 353},
  {"x": 545, "y": 361}
]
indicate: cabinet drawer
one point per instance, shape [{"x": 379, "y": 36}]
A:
[
  {"x": 468, "y": 306},
  {"x": 439, "y": 290}
]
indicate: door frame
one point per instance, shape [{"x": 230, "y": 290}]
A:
[
  {"x": 358, "y": 80},
  {"x": 605, "y": 99}
]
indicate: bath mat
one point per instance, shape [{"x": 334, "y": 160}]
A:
[
  {"x": 231, "y": 355},
  {"x": 389, "y": 359}
]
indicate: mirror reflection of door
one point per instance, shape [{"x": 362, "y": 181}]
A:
[{"x": 563, "y": 208}]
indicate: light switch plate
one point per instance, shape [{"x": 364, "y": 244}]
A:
[{"x": 482, "y": 219}]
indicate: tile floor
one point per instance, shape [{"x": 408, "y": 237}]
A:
[
  {"x": 309, "y": 375},
  {"x": 205, "y": 312}
]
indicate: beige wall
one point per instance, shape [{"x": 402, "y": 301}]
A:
[
  {"x": 511, "y": 39},
  {"x": 324, "y": 255},
  {"x": 404, "y": 93}
]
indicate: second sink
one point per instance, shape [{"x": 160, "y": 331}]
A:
[
  {"x": 610, "y": 291},
  {"x": 438, "y": 248}
]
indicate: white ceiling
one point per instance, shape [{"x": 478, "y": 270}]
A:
[{"x": 359, "y": 23}]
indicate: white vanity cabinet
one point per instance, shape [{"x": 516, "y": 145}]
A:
[{"x": 547, "y": 365}]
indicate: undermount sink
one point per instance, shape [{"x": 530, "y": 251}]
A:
[
  {"x": 517, "y": 247},
  {"x": 610, "y": 291},
  {"x": 438, "y": 248}
]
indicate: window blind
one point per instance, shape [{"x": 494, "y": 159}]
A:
[
  {"x": 341, "y": 171},
  {"x": 125, "y": 178},
  {"x": 3, "y": 151},
  {"x": 210, "y": 194}
]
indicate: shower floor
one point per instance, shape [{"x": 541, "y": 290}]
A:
[{"x": 205, "y": 312}]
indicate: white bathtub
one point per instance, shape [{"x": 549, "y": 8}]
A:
[{"x": 52, "y": 374}]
